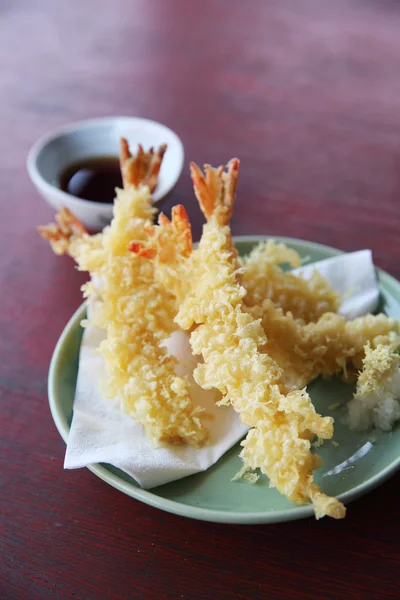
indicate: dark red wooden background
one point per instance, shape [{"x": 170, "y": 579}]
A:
[{"x": 307, "y": 94}]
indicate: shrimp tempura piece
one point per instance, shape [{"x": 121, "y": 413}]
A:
[
  {"x": 282, "y": 422},
  {"x": 134, "y": 310},
  {"x": 140, "y": 177},
  {"x": 138, "y": 314},
  {"x": 264, "y": 279}
]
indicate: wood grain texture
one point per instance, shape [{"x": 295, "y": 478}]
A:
[{"x": 307, "y": 94}]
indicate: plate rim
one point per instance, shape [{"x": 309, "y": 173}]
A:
[{"x": 187, "y": 510}]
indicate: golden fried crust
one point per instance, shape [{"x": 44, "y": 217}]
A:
[
  {"x": 264, "y": 279},
  {"x": 167, "y": 240},
  {"x": 139, "y": 249},
  {"x": 137, "y": 314},
  {"x": 60, "y": 234},
  {"x": 142, "y": 169},
  {"x": 210, "y": 305},
  {"x": 216, "y": 190},
  {"x": 231, "y": 342}
]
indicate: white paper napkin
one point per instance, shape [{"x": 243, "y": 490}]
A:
[
  {"x": 100, "y": 432},
  {"x": 353, "y": 277}
]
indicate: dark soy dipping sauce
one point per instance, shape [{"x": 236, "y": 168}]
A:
[{"x": 92, "y": 179}]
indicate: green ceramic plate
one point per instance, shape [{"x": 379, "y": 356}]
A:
[{"x": 359, "y": 463}]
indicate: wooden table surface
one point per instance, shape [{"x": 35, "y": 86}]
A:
[{"x": 307, "y": 94}]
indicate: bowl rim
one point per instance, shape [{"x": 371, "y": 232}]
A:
[
  {"x": 63, "y": 197},
  {"x": 186, "y": 510}
]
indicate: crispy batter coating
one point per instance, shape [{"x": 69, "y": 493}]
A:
[
  {"x": 379, "y": 365},
  {"x": 264, "y": 279},
  {"x": 282, "y": 421},
  {"x": 263, "y": 334},
  {"x": 327, "y": 347},
  {"x": 306, "y": 337},
  {"x": 169, "y": 245},
  {"x": 230, "y": 340},
  {"x": 376, "y": 401},
  {"x": 69, "y": 236},
  {"x": 372, "y": 329},
  {"x": 135, "y": 311},
  {"x": 138, "y": 314}
]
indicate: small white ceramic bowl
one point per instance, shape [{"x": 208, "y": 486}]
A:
[{"x": 50, "y": 155}]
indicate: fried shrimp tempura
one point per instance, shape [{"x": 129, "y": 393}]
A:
[
  {"x": 138, "y": 314},
  {"x": 135, "y": 311},
  {"x": 282, "y": 422},
  {"x": 264, "y": 279},
  {"x": 139, "y": 175}
]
